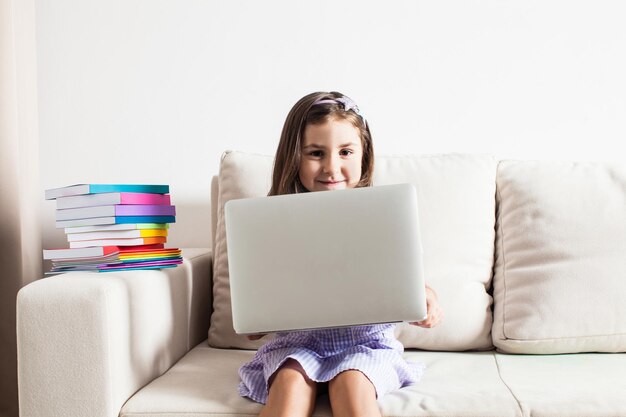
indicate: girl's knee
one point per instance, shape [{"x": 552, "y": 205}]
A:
[
  {"x": 291, "y": 393},
  {"x": 291, "y": 374},
  {"x": 351, "y": 382},
  {"x": 353, "y": 394}
]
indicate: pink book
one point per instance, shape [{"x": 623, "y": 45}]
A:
[
  {"x": 144, "y": 210},
  {"x": 106, "y": 199}
]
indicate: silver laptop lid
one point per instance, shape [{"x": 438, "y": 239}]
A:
[{"x": 325, "y": 259}]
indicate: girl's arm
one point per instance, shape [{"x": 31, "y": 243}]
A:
[{"x": 434, "y": 313}]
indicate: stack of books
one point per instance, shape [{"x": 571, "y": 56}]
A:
[{"x": 112, "y": 227}]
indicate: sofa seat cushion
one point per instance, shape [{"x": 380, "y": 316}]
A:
[
  {"x": 204, "y": 383},
  {"x": 582, "y": 385}
]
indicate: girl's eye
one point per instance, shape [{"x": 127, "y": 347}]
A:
[
  {"x": 346, "y": 152},
  {"x": 316, "y": 154}
]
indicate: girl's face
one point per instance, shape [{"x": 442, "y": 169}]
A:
[{"x": 331, "y": 156}]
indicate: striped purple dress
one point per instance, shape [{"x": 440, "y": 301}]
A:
[{"x": 373, "y": 350}]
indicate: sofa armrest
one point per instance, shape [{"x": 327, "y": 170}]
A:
[{"x": 88, "y": 341}]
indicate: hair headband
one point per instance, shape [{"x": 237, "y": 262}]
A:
[{"x": 347, "y": 102}]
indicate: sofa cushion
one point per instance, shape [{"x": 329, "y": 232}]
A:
[
  {"x": 585, "y": 384},
  {"x": 560, "y": 271},
  {"x": 204, "y": 383},
  {"x": 242, "y": 175},
  {"x": 456, "y": 196}
]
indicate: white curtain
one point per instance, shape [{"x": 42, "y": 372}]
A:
[{"x": 20, "y": 191}]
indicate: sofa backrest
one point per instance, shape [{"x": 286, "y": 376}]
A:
[
  {"x": 559, "y": 282},
  {"x": 214, "y": 193},
  {"x": 456, "y": 196}
]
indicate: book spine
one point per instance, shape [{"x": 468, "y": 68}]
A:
[
  {"x": 145, "y": 219},
  {"x": 141, "y": 248},
  {"x": 66, "y": 191},
  {"x": 128, "y": 188},
  {"x": 116, "y": 227},
  {"x": 115, "y": 210},
  {"x": 144, "y": 210},
  {"x": 116, "y": 234},
  {"x": 115, "y": 220},
  {"x": 145, "y": 198},
  {"x": 79, "y": 252},
  {"x": 84, "y": 222},
  {"x": 106, "y": 199},
  {"x": 85, "y": 212},
  {"x": 82, "y": 189},
  {"x": 118, "y": 242},
  {"x": 143, "y": 265}
]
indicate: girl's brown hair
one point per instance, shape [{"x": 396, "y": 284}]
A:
[{"x": 285, "y": 177}]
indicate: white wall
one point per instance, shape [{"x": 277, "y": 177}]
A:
[{"x": 154, "y": 90}]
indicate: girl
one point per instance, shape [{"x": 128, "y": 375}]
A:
[{"x": 326, "y": 145}]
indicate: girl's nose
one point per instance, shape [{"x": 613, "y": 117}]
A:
[{"x": 331, "y": 164}]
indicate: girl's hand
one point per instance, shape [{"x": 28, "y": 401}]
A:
[
  {"x": 434, "y": 313},
  {"x": 255, "y": 336}
]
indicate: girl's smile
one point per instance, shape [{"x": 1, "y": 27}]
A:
[
  {"x": 332, "y": 184},
  {"x": 331, "y": 156}
]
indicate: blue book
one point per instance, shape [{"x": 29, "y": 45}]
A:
[
  {"x": 81, "y": 189},
  {"x": 93, "y": 221}
]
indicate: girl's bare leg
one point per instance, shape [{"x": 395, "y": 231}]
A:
[
  {"x": 352, "y": 394},
  {"x": 292, "y": 393}
]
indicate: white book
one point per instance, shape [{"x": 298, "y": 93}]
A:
[
  {"x": 87, "y": 252},
  {"x": 115, "y": 210},
  {"x": 118, "y": 242},
  {"x": 85, "y": 222},
  {"x": 112, "y": 227},
  {"x": 105, "y": 199},
  {"x": 116, "y": 234},
  {"x": 80, "y": 189},
  {"x": 93, "y": 260},
  {"x": 94, "y": 221}
]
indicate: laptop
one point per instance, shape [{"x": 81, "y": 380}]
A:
[{"x": 325, "y": 259}]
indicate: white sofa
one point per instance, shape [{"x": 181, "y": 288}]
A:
[{"x": 528, "y": 258}]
